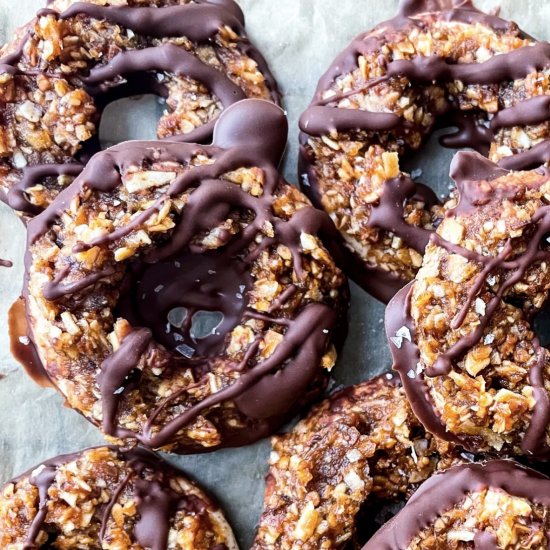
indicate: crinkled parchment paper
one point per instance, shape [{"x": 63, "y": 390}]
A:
[{"x": 299, "y": 38}]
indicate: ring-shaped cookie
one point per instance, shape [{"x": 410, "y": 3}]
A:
[
  {"x": 110, "y": 497},
  {"x": 462, "y": 333},
  {"x": 498, "y": 505},
  {"x": 74, "y": 58},
  {"x": 180, "y": 294},
  {"x": 356, "y": 452},
  {"x": 437, "y": 64}
]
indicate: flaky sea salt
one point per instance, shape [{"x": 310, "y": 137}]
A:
[
  {"x": 397, "y": 341},
  {"x": 405, "y": 333},
  {"x": 185, "y": 350},
  {"x": 480, "y": 306}
]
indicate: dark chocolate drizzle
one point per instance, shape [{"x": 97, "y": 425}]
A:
[
  {"x": 470, "y": 172},
  {"x": 116, "y": 370},
  {"x": 190, "y": 286},
  {"x": 411, "y": 8},
  {"x": 473, "y": 130},
  {"x": 57, "y": 289},
  {"x": 31, "y": 175},
  {"x": 444, "y": 490},
  {"x": 395, "y": 193},
  {"x": 149, "y": 477},
  {"x": 321, "y": 120},
  {"x": 199, "y": 21},
  {"x": 42, "y": 481},
  {"x": 250, "y": 133},
  {"x": 405, "y": 362},
  {"x": 532, "y": 158},
  {"x": 535, "y": 110}
]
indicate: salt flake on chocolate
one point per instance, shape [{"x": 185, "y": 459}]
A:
[
  {"x": 404, "y": 333},
  {"x": 397, "y": 341},
  {"x": 480, "y": 307}
]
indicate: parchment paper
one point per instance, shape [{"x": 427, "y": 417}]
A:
[{"x": 299, "y": 38}]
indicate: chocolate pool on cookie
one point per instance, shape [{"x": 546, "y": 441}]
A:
[
  {"x": 437, "y": 64},
  {"x": 64, "y": 67},
  {"x": 181, "y": 295},
  {"x": 109, "y": 497}
]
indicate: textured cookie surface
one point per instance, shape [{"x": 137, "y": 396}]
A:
[
  {"x": 498, "y": 505},
  {"x": 437, "y": 64},
  {"x": 180, "y": 294},
  {"x": 462, "y": 333},
  {"x": 361, "y": 447},
  {"x": 106, "y": 498},
  {"x": 64, "y": 67}
]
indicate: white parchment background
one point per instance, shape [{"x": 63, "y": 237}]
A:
[{"x": 299, "y": 38}]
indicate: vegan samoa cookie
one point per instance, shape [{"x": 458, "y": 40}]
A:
[
  {"x": 181, "y": 295},
  {"x": 437, "y": 64},
  {"x": 64, "y": 67}
]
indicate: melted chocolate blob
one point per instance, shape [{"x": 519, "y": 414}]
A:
[
  {"x": 191, "y": 302},
  {"x": 22, "y": 347},
  {"x": 199, "y": 21},
  {"x": 473, "y": 130},
  {"x": 470, "y": 171},
  {"x": 444, "y": 490}
]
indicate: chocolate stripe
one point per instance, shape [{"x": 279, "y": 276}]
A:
[
  {"x": 534, "y": 110},
  {"x": 372, "y": 41},
  {"x": 319, "y": 121},
  {"x": 198, "y": 22},
  {"x": 532, "y": 158},
  {"x": 169, "y": 58},
  {"x": 32, "y": 175}
]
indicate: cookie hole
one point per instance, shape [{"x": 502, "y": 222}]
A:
[
  {"x": 190, "y": 301},
  {"x": 371, "y": 517},
  {"x": 430, "y": 164},
  {"x": 541, "y": 326},
  {"x": 131, "y": 118},
  {"x": 177, "y": 316},
  {"x": 454, "y": 132},
  {"x": 205, "y": 323}
]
